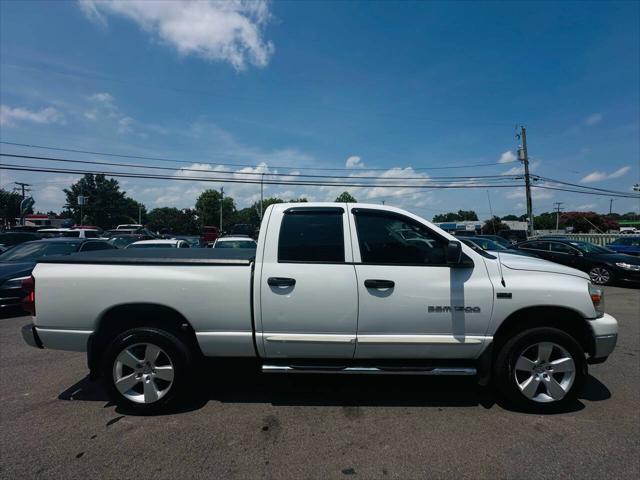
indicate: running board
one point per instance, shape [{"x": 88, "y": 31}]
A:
[{"x": 465, "y": 371}]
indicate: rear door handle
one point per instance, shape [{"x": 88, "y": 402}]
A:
[
  {"x": 379, "y": 283},
  {"x": 281, "y": 281}
]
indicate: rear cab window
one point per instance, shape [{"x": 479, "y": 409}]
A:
[{"x": 312, "y": 235}]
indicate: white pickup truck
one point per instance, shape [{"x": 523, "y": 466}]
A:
[{"x": 331, "y": 288}]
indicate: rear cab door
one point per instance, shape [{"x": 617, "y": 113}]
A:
[{"x": 306, "y": 289}]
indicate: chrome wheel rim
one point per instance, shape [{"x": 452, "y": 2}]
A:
[
  {"x": 544, "y": 372},
  {"x": 143, "y": 373},
  {"x": 599, "y": 275}
]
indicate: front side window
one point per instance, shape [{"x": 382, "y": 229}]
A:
[
  {"x": 311, "y": 236},
  {"x": 393, "y": 239}
]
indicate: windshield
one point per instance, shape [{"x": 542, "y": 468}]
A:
[
  {"x": 236, "y": 244},
  {"x": 586, "y": 247},
  {"x": 33, "y": 250},
  {"x": 152, "y": 245}
]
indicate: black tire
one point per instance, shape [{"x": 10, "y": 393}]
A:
[
  {"x": 505, "y": 377},
  {"x": 603, "y": 271},
  {"x": 174, "y": 353}
]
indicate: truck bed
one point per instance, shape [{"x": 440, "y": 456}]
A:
[{"x": 158, "y": 256}]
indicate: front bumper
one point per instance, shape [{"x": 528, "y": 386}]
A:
[
  {"x": 605, "y": 336},
  {"x": 30, "y": 336}
]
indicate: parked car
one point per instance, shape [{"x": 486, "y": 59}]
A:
[
  {"x": 242, "y": 229},
  {"x": 129, "y": 226},
  {"x": 484, "y": 244},
  {"x": 496, "y": 238},
  {"x": 159, "y": 243},
  {"x": 72, "y": 232},
  {"x": 192, "y": 240},
  {"x": 629, "y": 245},
  {"x": 332, "y": 289},
  {"x": 235, "y": 241},
  {"x": 16, "y": 265},
  {"x": 604, "y": 266},
  {"x": 209, "y": 235},
  {"x": 513, "y": 236},
  {"x": 121, "y": 241},
  {"x": 11, "y": 239}
]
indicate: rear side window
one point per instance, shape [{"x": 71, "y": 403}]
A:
[
  {"x": 562, "y": 248},
  {"x": 311, "y": 236},
  {"x": 536, "y": 246},
  {"x": 90, "y": 234}
]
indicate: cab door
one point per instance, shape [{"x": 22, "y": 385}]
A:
[
  {"x": 412, "y": 304},
  {"x": 308, "y": 291}
]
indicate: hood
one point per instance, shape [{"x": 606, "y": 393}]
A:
[
  {"x": 616, "y": 257},
  {"x": 11, "y": 270},
  {"x": 519, "y": 262}
]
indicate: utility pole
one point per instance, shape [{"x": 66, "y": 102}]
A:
[
  {"x": 611, "y": 200},
  {"x": 523, "y": 155},
  {"x": 557, "y": 204},
  {"x": 221, "y": 200},
  {"x": 139, "y": 214},
  {"x": 23, "y": 187},
  {"x": 261, "y": 194}
]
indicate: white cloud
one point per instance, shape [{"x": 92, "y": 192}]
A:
[
  {"x": 230, "y": 30},
  {"x": 598, "y": 176},
  {"x": 586, "y": 207},
  {"x": 102, "y": 97},
  {"x": 103, "y": 107},
  {"x": 507, "y": 157},
  {"x": 354, "y": 162},
  {"x": 621, "y": 172},
  {"x": 10, "y": 116},
  {"x": 593, "y": 119}
]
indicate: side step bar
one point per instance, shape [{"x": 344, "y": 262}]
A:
[{"x": 465, "y": 371}]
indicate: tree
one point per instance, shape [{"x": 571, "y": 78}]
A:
[
  {"x": 493, "y": 226},
  {"x": 545, "y": 221},
  {"x": 107, "y": 205},
  {"x": 510, "y": 218},
  {"x": 345, "y": 197},
  {"x": 461, "y": 216},
  {"x": 173, "y": 220},
  {"x": 585, "y": 222},
  {"x": 9, "y": 207},
  {"x": 208, "y": 208}
]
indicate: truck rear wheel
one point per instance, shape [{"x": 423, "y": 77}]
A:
[
  {"x": 541, "y": 370},
  {"x": 146, "y": 369}
]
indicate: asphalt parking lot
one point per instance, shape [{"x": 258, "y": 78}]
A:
[{"x": 54, "y": 423}]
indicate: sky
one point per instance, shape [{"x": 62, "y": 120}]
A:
[{"x": 379, "y": 89}]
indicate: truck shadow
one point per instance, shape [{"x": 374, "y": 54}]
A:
[{"x": 247, "y": 385}]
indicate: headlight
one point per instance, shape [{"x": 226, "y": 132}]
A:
[
  {"x": 597, "y": 298},
  {"x": 628, "y": 266}
]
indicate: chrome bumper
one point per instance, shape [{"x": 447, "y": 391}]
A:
[
  {"x": 30, "y": 336},
  {"x": 605, "y": 335}
]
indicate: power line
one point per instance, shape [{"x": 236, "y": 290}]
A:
[
  {"x": 182, "y": 169},
  {"x": 172, "y": 160},
  {"x": 454, "y": 185}
]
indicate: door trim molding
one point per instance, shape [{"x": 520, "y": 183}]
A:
[
  {"x": 308, "y": 338},
  {"x": 424, "y": 339}
]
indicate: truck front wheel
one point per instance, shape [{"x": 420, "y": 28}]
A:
[
  {"x": 541, "y": 369},
  {"x": 146, "y": 369}
]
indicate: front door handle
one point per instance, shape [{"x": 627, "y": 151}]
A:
[
  {"x": 281, "y": 281},
  {"x": 379, "y": 283}
]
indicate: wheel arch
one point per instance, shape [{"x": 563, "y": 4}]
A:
[
  {"x": 563, "y": 318},
  {"x": 120, "y": 318}
]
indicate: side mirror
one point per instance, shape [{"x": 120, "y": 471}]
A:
[{"x": 454, "y": 252}]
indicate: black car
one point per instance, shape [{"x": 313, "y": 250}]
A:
[
  {"x": 11, "y": 239},
  {"x": 18, "y": 263},
  {"x": 604, "y": 266},
  {"x": 486, "y": 244}
]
